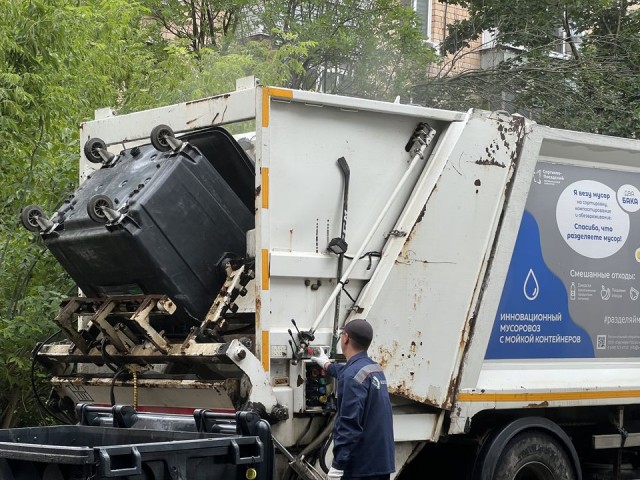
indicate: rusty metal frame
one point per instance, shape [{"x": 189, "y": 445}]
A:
[
  {"x": 234, "y": 286},
  {"x": 100, "y": 320},
  {"x": 120, "y": 338},
  {"x": 141, "y": 317},
  {"x": 65, "y": 321}
]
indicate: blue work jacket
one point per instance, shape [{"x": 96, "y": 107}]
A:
[{"x": 363, "y": 430}]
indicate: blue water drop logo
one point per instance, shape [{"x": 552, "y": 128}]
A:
[{"x": 531, "y": 288}]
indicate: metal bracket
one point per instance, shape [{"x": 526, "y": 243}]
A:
[
  {"x": 100, "y": 320},
  {"x": 65, "y": 321},
  {"x": 262, "y": 391},
  {"x": 122, "y": 337},
  {"x": 141, "y": 317},
  {"x": 420, "y": 138},
  {"x": 234, "y": 286}
]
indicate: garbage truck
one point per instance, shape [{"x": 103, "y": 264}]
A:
[{"x": 220, "y": 243}]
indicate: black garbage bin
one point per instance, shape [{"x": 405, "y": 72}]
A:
[{"x": 179, "y": 213}]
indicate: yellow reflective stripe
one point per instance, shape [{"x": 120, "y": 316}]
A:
[
  {"x": 265, "y": 350},
  {"x": 265, "y": 269},
  {"x": 267, "y": 93},
  {"x": 264, "y": 188},
  {"x": 280, "y": 92},
  {"x": 550, "y": 397}
]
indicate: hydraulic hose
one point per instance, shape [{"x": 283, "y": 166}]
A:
[{"x": 317, "y": 442}]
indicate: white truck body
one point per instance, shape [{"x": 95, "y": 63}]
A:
[{"x": 507, "y": 266}]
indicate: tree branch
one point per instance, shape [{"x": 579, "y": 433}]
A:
[{"x": 568, "y": 36}]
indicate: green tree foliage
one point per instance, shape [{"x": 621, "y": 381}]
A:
[
  {"x": 370, "y": 48},
  {"x": 211, "y": 71},
  {"x": 204, "y": 46},
  {"x": 58, "y": 62},
  {"x": 201, "y": 23},
  {"x": 592, "y": 86}
]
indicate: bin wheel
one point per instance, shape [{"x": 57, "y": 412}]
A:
[
  {"x": 91, "y": 149},
  {"x": 534, "y": 455},
  {"x": 159, "y": 137},
  {"x": 95, "y": 208},
  {"x": 28, "y": 217}
]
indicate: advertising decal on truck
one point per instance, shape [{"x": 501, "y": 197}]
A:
[{"x": 573, "y": 285}]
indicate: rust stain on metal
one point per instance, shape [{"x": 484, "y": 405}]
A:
[
  {"x": 406, "y": 250},
  {"x": 538, "y": 405},
  {"x": 215, "y": 117},
  {"x": 412, "y": 348},
  {"x": 227, "y": 386},
  {"x": 204, "y": 100},
  {"x": 507, "y": 129},
  {"x": 402, "y": 390},
  {"x": 173, "y": 384},
  {"x": 420, "y": 217},
  {"x": 490, "y": 162},
  {"x": 451, "y": 391},
  {"x": 517, "y": 126},
  {"x": 219, "y": 116},
  {"x": 385, "y": 355}
]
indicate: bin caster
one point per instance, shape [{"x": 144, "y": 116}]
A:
[
  {"x": 159, "y": 137},
  {"x": 95, "y": 208},
  {"x": 29, "y": 217},
  {"x": 92, "y": 149}
]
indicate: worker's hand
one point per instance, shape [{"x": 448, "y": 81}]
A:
[
  {"x": 334, "y": 474},
  {"x": 322, "y": 360}
]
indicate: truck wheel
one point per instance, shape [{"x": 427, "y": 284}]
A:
[
  {"x": 95, "y": 208},
  {"x": 28, "y": 217},
  {"x": 91, "y": 149},
  {"x": 159, "y": 136},
  {"x": 534, "y": 456}
]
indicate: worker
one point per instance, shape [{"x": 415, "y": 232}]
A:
[{"x": 363, "y": 445}]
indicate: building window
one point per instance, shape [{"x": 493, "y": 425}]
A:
[
  {"x": 330, "y": 79},
  {"x": 423, "y": 9},
  {"x": 561, "y": 47}
]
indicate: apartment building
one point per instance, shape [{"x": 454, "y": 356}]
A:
[{"x": 435, "y": 17}]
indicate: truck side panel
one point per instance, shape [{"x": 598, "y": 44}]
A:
[{"x": 579, "y": 347}]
